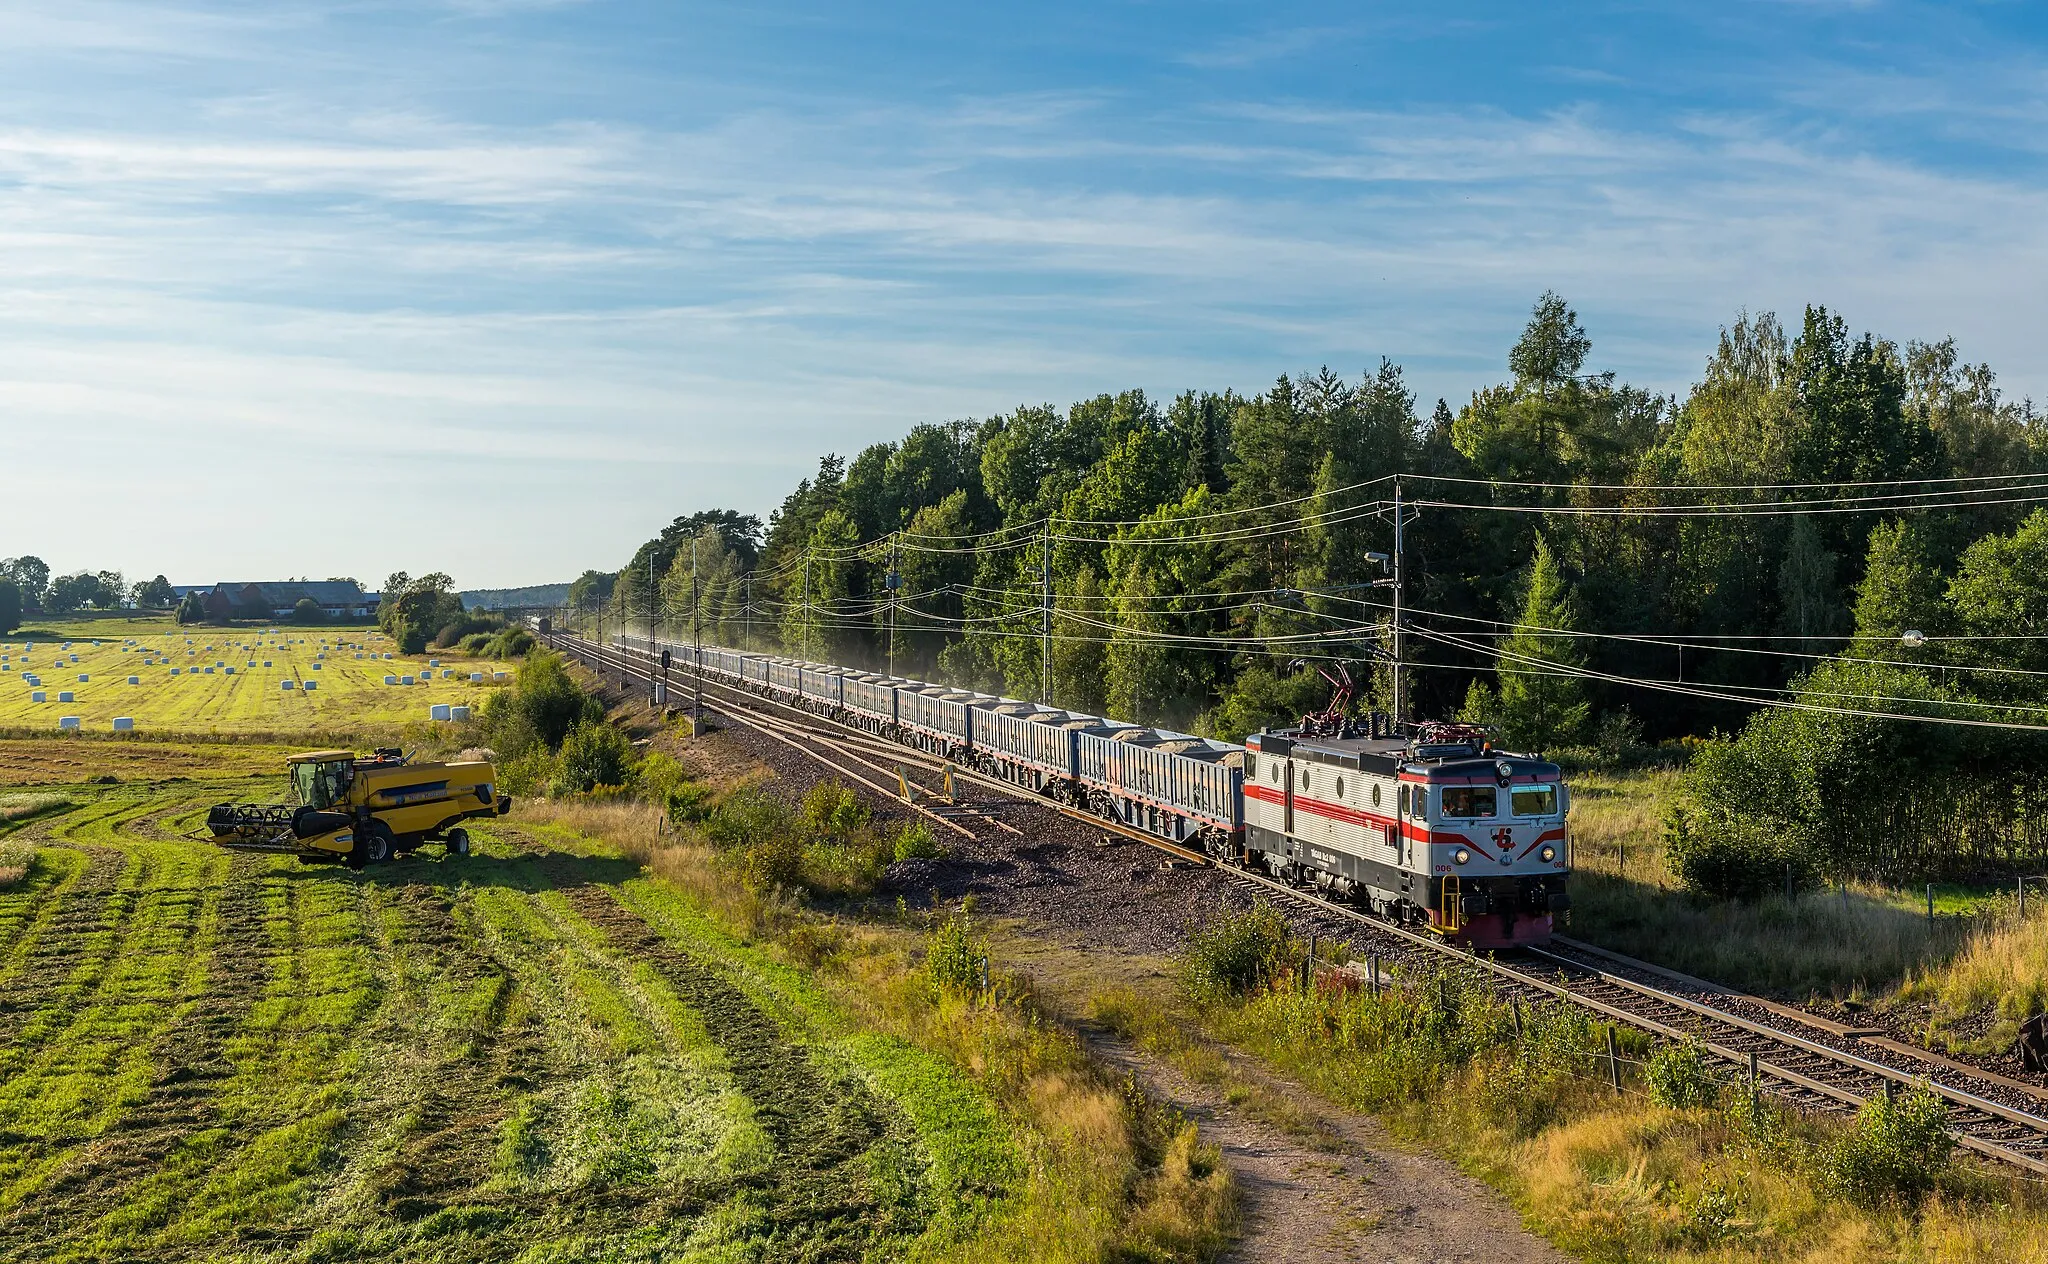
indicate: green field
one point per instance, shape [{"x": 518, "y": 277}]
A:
[
  {"x": 175, "y": 693},
  {"x": 537, "y": 1053}
]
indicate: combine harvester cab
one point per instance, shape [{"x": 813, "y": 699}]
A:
[{"x": 364, "y": 810}]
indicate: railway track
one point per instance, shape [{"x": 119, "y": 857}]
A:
[{"x": 1806, "y": 1061}]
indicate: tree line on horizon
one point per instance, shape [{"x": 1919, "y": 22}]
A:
[{"x": 1211, "y": 551}]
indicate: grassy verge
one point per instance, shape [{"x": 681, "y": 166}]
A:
[
  {"x": 1966, "y": 977},
  {"x": 1681, "y": 1165},
  {"x": 1856, "y": 942}
]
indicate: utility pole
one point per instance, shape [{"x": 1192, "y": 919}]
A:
[
  {"x": 653, "y": 600},
  {"x": 807, "y": 603},
  {"x": 1045, "y": 615},
  {"x": 747, "y": 600},
  {"x": 894, "y": 583},
  {"x": 696, "y": 649},
  {"x": 1398, "y": 511}
]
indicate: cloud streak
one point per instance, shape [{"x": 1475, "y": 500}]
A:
[{"x": 612, "y": 316}]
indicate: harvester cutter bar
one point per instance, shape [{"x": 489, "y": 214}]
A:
[{"x": 284, "y": 846}]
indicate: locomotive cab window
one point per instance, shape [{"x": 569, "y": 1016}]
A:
[
  {"x": 1404, "y": 800},
  {"x": 1468, "y": 800},
  {"x": 1534, "y": 800}
]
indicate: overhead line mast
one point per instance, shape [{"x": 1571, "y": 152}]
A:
[{"x": 1045, "y": 617}]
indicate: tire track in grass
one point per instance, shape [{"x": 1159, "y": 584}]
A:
[
  {"x": 25, "y": 909},
  {"x": 284, "y": 1110},
  {"x": 85, "y": 1060},
  {"x": 60, "y": 914},
  {"x": 821, "y": 1198},
  {"x": 433, "y": 1112},
  {"x": 97, "y": 1204},
  {"x": 79, "y": 931},
  {"x": 490, "y": 1045}
]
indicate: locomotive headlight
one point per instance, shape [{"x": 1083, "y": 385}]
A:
[
  {"x": 1549, "y": 854},
  {"x": 1461, "y": 855}
]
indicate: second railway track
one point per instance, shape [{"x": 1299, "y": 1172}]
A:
[{"x": 1991, "y": 1115}]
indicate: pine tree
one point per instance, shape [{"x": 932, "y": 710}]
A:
[{"x": 1539, "y": 706}]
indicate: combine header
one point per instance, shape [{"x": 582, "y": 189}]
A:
[{"x": 362, "y": 810}]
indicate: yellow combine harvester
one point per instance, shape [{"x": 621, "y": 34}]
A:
[{"x": 364, "y": 809}]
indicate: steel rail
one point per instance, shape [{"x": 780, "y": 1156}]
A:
[{"x": 1560, "y": 989}]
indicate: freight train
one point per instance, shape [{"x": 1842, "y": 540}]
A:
[{"x": 1426, "y": 825}]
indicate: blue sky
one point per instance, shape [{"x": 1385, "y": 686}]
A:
[{"x": 500, "y": 286}]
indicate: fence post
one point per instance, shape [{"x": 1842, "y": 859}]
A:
[
  {"x": 2023, "y": 897},
  {"x": 1752, "y": 1079},
  {"x": 1515, "y": 1008},
  {"x": 1372, "y": 972},
  {"x": 1788, "y": 881},
  {"x": 1930, "y": 904},
  {"x": 1613, "y": 1060}
]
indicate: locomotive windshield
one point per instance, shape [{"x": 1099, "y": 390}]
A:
[
  {"x": 1468, "y": 800},
  {"x": 1534, "y": 800}
]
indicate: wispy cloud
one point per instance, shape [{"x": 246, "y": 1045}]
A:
[
  {"x": 621, "y": 313},
  {"x": 1264, "y": 46}
]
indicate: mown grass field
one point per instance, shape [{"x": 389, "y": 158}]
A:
[
  {"x": 538, "y": 1053},
  {"x": 349, "y": 694}
]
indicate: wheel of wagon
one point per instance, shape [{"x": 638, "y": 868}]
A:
[{"x": 458, "y": 842}]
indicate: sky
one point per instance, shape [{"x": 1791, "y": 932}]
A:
[{"x": 499, "y": 287}]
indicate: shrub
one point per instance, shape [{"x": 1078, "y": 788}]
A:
[
  {"x": 775, "y": 862},
  {"x": 307, "y": 611},
  {"x": 1235, "y": 954},
  {"x": 456, "y": 630},
  {"x": 833, "y": 809},
  {"x": 543, "y": 704},
  {"x": 746, "y": 817},
  {"x": 1731, "y": 857},
  {"x": 1898, "y": 1148},
  {"x": 657, "y": 776},
  {"x": 411, "y": 638},
  {"x": 593, "y": 755},
  {"x": 915, "y": 841},
  {"x": 531, "y": 771},
  {"x": 759, "y": 839},
  {"x": 474, "y": 643},
  {"x": 1680, "y": 1077},
  {"x": 510, "y": 643},
  {"x": 955, "y": 951}
]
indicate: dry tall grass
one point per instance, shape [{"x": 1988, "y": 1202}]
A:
[
  {"x": 1850, "y": 942},
  {"x": 1978, "y": 999}
]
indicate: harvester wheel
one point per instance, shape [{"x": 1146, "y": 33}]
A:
[
  {"x": 373, "y": 845},
  {"x": 458, "y": 842}
]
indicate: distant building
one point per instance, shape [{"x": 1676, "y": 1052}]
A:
[{"x": 337, "y": 599}]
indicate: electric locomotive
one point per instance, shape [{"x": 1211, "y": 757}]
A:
[
  {"x": 1426, "y": 825},
  {"x": 1431, "y": 827}
]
